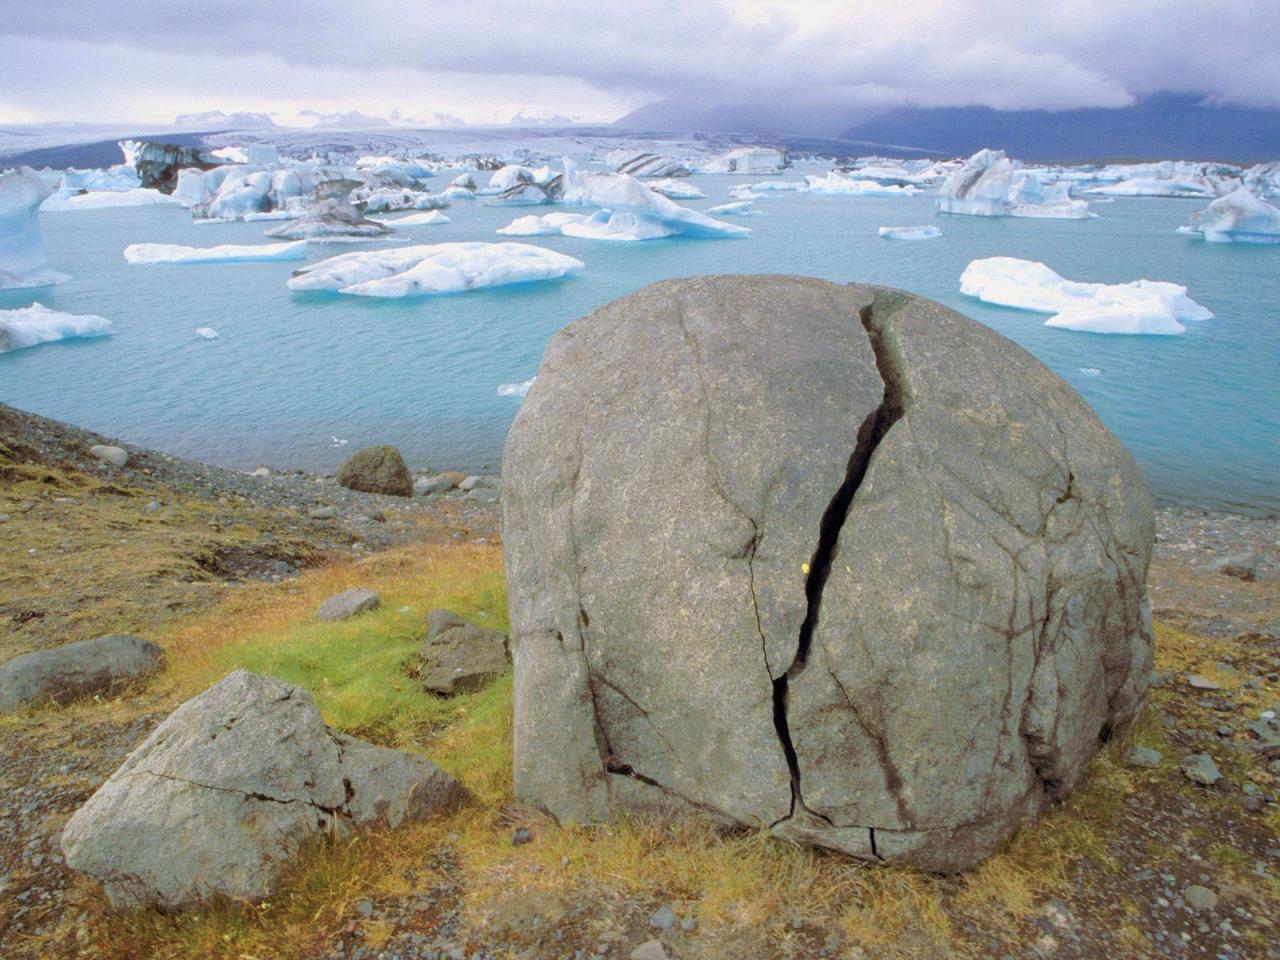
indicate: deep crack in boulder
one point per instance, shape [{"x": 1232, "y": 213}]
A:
[{"x": 833, "y": 561}]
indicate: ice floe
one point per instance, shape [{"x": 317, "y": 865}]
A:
[
  {"x": 738, "y": 208},
  {"x": 989, "y": 185},
  {"x": 23, "y": 258},
  {"x": 433, "y": 268},
  {"x": 1091, "y": 372},
  {"x": 106, "y": 199},
  {"x": 332, "y": 219},
  {"x": 618, "y": 225},
  {"x": 675, "y": 189},
  {"x": 645, "y": 164},
  {"x": 516, "y": 389},
  {"x": 1139, "y": 307},
  {"x": 226, "y": 253},
  {"x": 622, "y": 193},
  {"x": 29, "y": 326},
  {"x": 206, "y": 333},
  {"x": 834, "y": 183},
  {"x": 926, "y": 232},
  {"x": 548, "y": 224},
  {"x": 1239, "y": 217},
  {"x": 430, "y": 218}
]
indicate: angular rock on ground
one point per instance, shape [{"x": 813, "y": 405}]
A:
[
  {"x": 101, "y": 666},
  {"x": 459, "y": 657},
  {"x": 230, "y": 788},
  {"x": 377, "y": 469},
  {"x": 345, "y": 605},
  {"x": 116, "y": 456},
  {"x": 830, "y": 560}
]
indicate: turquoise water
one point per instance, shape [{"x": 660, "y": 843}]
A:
[{"x": 289, "y": 372}]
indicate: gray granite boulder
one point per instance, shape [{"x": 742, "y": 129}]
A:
[
  {"x": 230, "y": 787},
  {"x": 101, "y": 666},
  {"x": 347, "y": 604},
  {"x": 377, "y": 469},
  {"x": 116, "y": 456},
  {"x": 829, "y": 560},
  {"x": 459, "y": 657}
]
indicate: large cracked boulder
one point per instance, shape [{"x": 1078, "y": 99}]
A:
[
  {"x": 829, "y": 560},
  {"x": 230, "y": 787}
]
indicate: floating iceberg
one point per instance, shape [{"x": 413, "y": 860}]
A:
[
  {"x": 430, "y": 218},
  {"x": 645, "y": 164},
  {"x": 504, "y": 178},
  {"x": 515, "y": 389},
  {"x": 467, "y": 181},
  {"x": 988, "y": 185},
  {"x": 387, "y": 199},
  {"x": 618, "y": 225},
  {"x": 928, "y": 232},
  {"x": 1090, "y": 372},
  {"x": 433, "y": 268},
  {"x": 1263, "y": 179},
  {"x": 226, "y": 253},
  {"x": 37, "y": 324},
  {"x": 206, "y": 333},
  {"x": 1239, "y": 217},
  {"x": 23, "y": 258},
  {"x": 1140, "y": 307},
  {"x": 547, "y": 225},
  {"x": 739, "y": 208},
  {"x": 106, "y": 199},
  {"x": 120, "y": 177},
  {"x": 331, "y": 219},
  {"x": 621, "y": 193},
  {"x": 749, "y": 160},
  {"x": 522, "y": 194},
  {"x": 676, "y": 189},
  {"x": 834, "y": 183}
]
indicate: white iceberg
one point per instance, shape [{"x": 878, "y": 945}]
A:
[
  {"x": 226, "y": 253},
  {"x": 330, "y": 220},
  {"x": 120, "y": 177},
  {"x": 433, "y": 268},
  {"x": 467, "y": 181},
  {"x": 739, "y": 208},
  {"x": 430, "y": 218},
  {"x": 37, "y": 324},
  {"x": 1263, "y": 179},
  {"x": 926, "y": 232},
  {"x": 989, "y": 185},
  {"x": 618, "y": 225},
  {"x": 1239, "y": 217},
  {"x": 106, "y": 199},
  {"x": 621, "y": 193},
  {"x": 676, "y": 189},
  {"x": 23, "y": 258},
  {"x": 504, "y": 178},
  {"x": 749, "y": 160},
  {"x": 547, "y": 225},
  {"x": 515, "y": 389},
  {"x": 522, "y": 194},
  {"x": 1091, "y": 372},
  {"x": 206, "y": 333},
  {"x": 1139, "y": 307},
  {"x": 834, "y": 183},
  {"x": 387, "y": 199}
]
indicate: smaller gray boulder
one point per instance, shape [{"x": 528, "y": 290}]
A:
[
  {"x": 345, "y": 605},
  {"x": 116, "y": 456},
  {"x": 425, "y": 486},
  {"x": 231, "y": 787},
  {"x": 1200, "y": 768},
  {"x": 1145, "y": 757},
  {"x": 101, "y": 666},
  {"x": 459, "y": 657},
  {"x": 1242, "y": 568},
  {"x": 480, "y": 483},
  {"x": 378, "y": 469}
]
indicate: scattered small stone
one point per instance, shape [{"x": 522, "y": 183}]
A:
[
  {"x": 1253, "y": 804},
  {"x": 1242, "y": 567},
  {"x": 1145, "y": 757},
  {"x": 1200, "y": 768},
  {"x": 364, "y": 908},
  {"x": 347, "y": 604},
  {"x": 115, "y": 456},
  {"x": 322, "y": 513},
  {"x": 1198, "y": 682},
  {"x": 649, "y": 950},
  {"x": 3, "y": 517},
  {"x": 282, "y": 568},
  {"x": 664, "y": 918},
  {"x": 259, "y": 472},
  {"x": 1199, "y": 898},
  {"x": 425, "y": 486},
  {"x": 1224, "y": 731},
  {"x": 521, "y": 836}
]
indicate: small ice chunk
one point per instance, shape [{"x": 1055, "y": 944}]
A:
[
  {"x": 430, "y": 218},
  {"x": 1139, "y": 307},
  {"x": 433, "y": 268},
  {"x": 29, "y": 326},
  {"x": 738, "y": 208},
  {"x": 226, "y": 253},
  {"x": 515, "y": 389},
  {"x": 546, "y": 225},
  {"x": 207, "y": 333},
  {"x": 926, "y": 232},
  {"x": 746, "y": 160},
  {"x": 1090, "y": 372},
  {"x": 675, "y": 189},
  {"x": 105, "y": 200}
]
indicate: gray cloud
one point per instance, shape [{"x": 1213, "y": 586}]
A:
[{"x": 998, "y": 53}]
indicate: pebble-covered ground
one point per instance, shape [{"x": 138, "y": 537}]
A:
[{"x": 1185, "y": 864}]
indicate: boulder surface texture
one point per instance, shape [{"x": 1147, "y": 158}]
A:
[
  {"x": 833, "y": 561},
  {"x": 228, "y": 789},
  {"x": 86, "y": 668},
  {"x": 459, "y": 657},
  {"x": 378, "y": 469}
]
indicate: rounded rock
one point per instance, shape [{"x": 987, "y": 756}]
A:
[
  {"x": 832, "y": 560},
  {"x": 377, "y": 469}
]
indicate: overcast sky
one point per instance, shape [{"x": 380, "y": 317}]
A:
[{"x": 130, "y": 60}]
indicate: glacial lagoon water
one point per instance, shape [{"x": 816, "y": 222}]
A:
[{"x": 291, "y": 376}]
